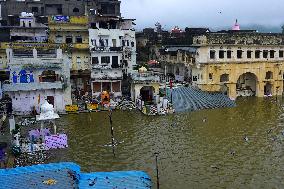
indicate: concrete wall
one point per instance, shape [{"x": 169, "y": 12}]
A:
[{"x": 24, "y": 101}]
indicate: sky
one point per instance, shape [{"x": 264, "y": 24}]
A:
[{"x": 204, "y": 13}]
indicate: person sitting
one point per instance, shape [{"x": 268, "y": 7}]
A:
[{"x": 3, "y": 158}]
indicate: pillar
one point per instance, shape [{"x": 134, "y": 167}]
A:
[
  {"x": 232, "y": 87},
  {"x": 260, "y": 89}
]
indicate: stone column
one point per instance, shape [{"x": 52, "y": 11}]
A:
[{"x": 232, "y": 90}]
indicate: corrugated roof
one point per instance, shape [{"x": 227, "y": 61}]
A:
[{"x": 188, "y": 49}]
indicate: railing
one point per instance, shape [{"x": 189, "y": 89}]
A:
[
  {"x": 146, "y": 77},
  {"x": 13, "y": 87},
  {"x": 107, "y": 49}
]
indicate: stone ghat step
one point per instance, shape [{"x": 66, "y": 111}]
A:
[{"x": 192, "y": 99}]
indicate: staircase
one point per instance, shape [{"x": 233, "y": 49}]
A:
[{"x": 191, "y": 99}]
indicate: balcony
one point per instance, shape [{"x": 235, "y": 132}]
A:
[
  {"x": 13, "y": 87},
  {"x": 145, "y": 77},
  {"x": 107, "y": 49},
  {"x": 113, "y": 74},
  {"x": 37, "y": 63}
]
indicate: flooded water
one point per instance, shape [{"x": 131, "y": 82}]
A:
[{"x": 204, "y": 149}]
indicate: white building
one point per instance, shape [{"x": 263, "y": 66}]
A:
[
  {"x": 36, "y": 76},
  {"x": 113, "y": 53},
  {"x": 29, "y": 30}
]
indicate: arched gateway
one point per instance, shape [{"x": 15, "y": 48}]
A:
[{"x": 247, "y": 85}]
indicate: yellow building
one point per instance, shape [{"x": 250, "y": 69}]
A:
[
  {"x": 240, "y": 63},
  {"x": 73, "y": 31}
]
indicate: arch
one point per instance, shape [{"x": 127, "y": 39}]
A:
[
  {"x": 48, "y": 76},
  {"x": 75, "y": 10},
  {"x": 247, "y": 85},
  {"x": 147, "y": 93},
  {"x": 177, "y": 71},
  {"x": 268, "y": 89},
  {"x": 23, "y": 76}
]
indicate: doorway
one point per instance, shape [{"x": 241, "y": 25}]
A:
[{"x": 50, "y": 100}]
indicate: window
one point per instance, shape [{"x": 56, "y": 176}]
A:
[
  {"x": 123, "y": 43},
  {"x": 249, "y": 54},
  {"x": 127, "y": 43},
  {"x": 78, "y": 60},
  {"x": 132, "y": 44},
  {"x": 265, "y": 54},
  {"x": 115, "y": 62},
  {"x": 257, "y": 54},
  {"x": 221, "y": 54},
  {"x": 59, "y": 10},
  {"x": 212, "y": 54},
  {"x": 229, "y": 54},
  {"x": 281, "y": 54},
  {"x": 94, "y": 42},
  {"x": 224, "y": 78},
  {"x": 69, "y": 39},
  {"x": 272, "y": 52},
  {"x": 30, "y": 24},
  {"x": 210, "y": 76},
  {"x": 35, "y": 9},
  {"x": 95, "y": 60},
  {"x": 79, "y": 39},
  {"x": 269, "y": 75},
  {"x": 105, "y": 59},
  {"x": 58, "y": 39},
  {"x": 96, "y": 86},
  {"x": 114, "y": 42},
  {"x": 239, "y": 54},
  {"x": 106, "y": 42},
  {"x": 75, "y": 10}
]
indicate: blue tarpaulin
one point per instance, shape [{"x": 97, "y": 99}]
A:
[{"x": 69, "y": 176}]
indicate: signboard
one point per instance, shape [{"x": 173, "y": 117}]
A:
[
  {"x": 71, "y": 108},
  {"x": 92, "y": 106},
  {"x": 61, "y": 18}
]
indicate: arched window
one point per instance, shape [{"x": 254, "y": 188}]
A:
[
  {"x": 269, "y": 75},
  {"x": 224, "y": 78},
  {"x": 75, "y": 10}
]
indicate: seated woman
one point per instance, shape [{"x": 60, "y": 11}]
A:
[{"x": 3, "y": 158}]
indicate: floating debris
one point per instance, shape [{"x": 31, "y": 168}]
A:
[{"x": 50, "y": 182}]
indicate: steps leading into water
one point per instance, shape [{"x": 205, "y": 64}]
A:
[{"x": 192, "y": 99}]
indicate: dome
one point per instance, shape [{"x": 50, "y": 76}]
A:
[
  {"x": 236, "y": 27},
  {"x": 142, "y": 69}
]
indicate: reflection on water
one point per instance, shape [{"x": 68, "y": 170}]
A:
[{"x": 204, "y": 149}]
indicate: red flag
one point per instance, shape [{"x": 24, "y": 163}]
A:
[{"x": 171, "y": 84}]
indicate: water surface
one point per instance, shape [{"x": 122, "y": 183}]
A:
[{"x": 203, "y": 149}]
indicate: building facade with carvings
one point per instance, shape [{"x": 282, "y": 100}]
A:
[{"x": 240, "y": 63}]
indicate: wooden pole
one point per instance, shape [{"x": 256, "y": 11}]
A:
[
  {"x": 157, "y": 170},
  {"x": 112, "y": 132}
]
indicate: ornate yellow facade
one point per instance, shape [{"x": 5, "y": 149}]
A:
[{"x": 241, "y": 64}]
